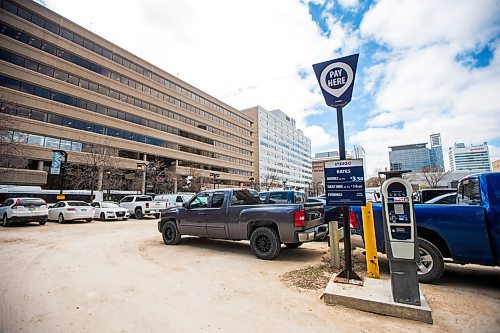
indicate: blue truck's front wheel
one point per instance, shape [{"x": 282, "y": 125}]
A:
[{"x": 430, "y": 265}]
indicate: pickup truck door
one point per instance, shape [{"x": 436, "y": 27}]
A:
[
  {"x": 193, "y": 217},
  {"x": 216, "y": 216}
]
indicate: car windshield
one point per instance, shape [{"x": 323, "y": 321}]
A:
[
  {"x": 109, "y": 205},
  {"x": 77, "y": 203}
]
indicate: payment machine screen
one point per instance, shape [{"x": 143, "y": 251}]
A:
[{"x": 396, "y": 190}]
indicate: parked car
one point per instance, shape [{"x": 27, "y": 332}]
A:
[
  {"x": 237, "y": 214},
  {"x": 107, "y": 210},
  {"x": 70, "y": 211},
  {"x": 174, "y": 199},
  {"x": 140, "y": 205},
  {"x": 467, "y": 232},
  {"x": 23, "y": 210},
  {"x": 445, "y": 199}
]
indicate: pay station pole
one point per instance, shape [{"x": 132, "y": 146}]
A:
[
  {"x": 347, "y": 275},
  {"x": 336, "y": 79}
]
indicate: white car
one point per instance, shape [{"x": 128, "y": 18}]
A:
[
  {"x": 107, "y": 210},
  {"x": 71, "y": 210},
  {"x": 23, "y": 210}
]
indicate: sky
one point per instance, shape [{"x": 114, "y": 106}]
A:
[{"x": 424, "y": 66}]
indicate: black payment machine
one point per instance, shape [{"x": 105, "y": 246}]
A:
[{"x": 401, "y": 240}]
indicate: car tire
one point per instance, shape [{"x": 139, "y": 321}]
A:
[
  {"x": 5, "y": 221},
  {"x": 265, "y": 243},
  {"x": 42, "y": 222},
  {"x": 430, "y": 264},
  {"x": 293, "y": 245},
  {"x": 157, "y": 216},
  {"x": 170, "y": 233},
  {"x": 138, "y": 213},
  {"x": 60, "y": 219},
  {"x": 102, "y": 217}
]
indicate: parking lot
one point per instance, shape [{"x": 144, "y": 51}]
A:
[{"x": 120, "y": 277}]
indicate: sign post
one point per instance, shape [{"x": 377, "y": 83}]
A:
[
  {"x": 57, "y": 166},
  {"x": 336, "y": 79}
]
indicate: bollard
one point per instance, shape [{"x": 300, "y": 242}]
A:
[
  {"x": 333, "y": 230},
  {"x": 372, "y": 267}
]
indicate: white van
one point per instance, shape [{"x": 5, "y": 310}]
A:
[{"x": 174, "y": 199}]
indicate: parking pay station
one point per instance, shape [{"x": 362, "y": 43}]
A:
[{"x": 400, "y": 238}]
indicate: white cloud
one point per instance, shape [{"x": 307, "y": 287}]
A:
[
  {"x": 349, "y": 4},
  {"x": 320, "y": 139},
  {"x": 420, "y": 87}
]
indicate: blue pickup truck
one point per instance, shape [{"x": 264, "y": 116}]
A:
[{"x": 467, "y": 232}]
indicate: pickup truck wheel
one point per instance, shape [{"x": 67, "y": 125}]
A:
[
  {"x": 430, "y": 265},
  {"x": 138, "y": 213},
  {"x": 265, "y": 243},
  {"x": 170, "y": 233},
  {"x": 293, "y": 245}
]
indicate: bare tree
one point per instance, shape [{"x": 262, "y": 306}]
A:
[
  {"x": 269, "y": 180},
  {"x": 195, "y": 181},
  {"x": 11, "y": 151},
  {"x": 86, "y": 172},
  {"x": 433, "y": 176},
  {"x": 159, "y": 177}
]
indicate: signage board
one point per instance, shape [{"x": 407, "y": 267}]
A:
[
  {"x": 55, "y": 168},
  {"x": 60, "y": 197},
  {"x": 336, "y": 79},
  {"x": 345, "y": 183}
]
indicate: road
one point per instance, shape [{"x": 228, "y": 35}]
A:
[{"x": 120, "y": 277}]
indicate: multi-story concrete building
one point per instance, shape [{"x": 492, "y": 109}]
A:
[
  {"x": 471, "y": 158},
  {"x": 284, "y": 151},
  {"x": 66, "y": 88},
  {"x": 412, "y": 157},
  {"x": 318, "y": 166},
  {"x": 495, "y": 165},
  {"x": 436, "y": 152}
]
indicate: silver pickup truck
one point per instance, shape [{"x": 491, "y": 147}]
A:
[{"x": 237, "y": 214}]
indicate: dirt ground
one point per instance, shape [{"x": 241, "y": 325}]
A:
[{"x": 120, "y": 277}]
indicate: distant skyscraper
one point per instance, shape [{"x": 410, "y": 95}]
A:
[
  {"x": 284, "y": 152},
  {"x": 436, "y": 152},
  {"x": 472, "y": 158},
  {"x": 412, "y": 157}
]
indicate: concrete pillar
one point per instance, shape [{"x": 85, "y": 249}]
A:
[
  {"x": 40, "y": 165},
  {"x": 143, "y": 180}
]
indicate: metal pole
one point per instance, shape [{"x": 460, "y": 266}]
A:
[{"x": 347, "y": 274}]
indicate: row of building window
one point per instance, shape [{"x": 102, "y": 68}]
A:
[
  {"x": 60, "y": 75},
  {"x": 190, "y": 164},
  {"x": 68, "y": 145},
  {"x": 96, "y": 128},
  {"x": 91, "y": 46},
  {"x": 23, "y": 37}
]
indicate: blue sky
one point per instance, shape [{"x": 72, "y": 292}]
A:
[{"x": 424, "y": 67}]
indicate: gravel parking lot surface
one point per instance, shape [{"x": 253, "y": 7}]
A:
[{"x": 120, "y": 277}]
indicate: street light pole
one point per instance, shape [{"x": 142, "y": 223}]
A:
[{"x": 215, "y": 175}]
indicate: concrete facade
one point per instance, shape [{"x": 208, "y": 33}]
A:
[{"x": 66, "y": 88}]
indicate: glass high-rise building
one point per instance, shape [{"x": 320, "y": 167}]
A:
[
  {"x": 284, "y": 151},
  {"x": 412, "y": 157},
  {"x": 436, "y": 152}
]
